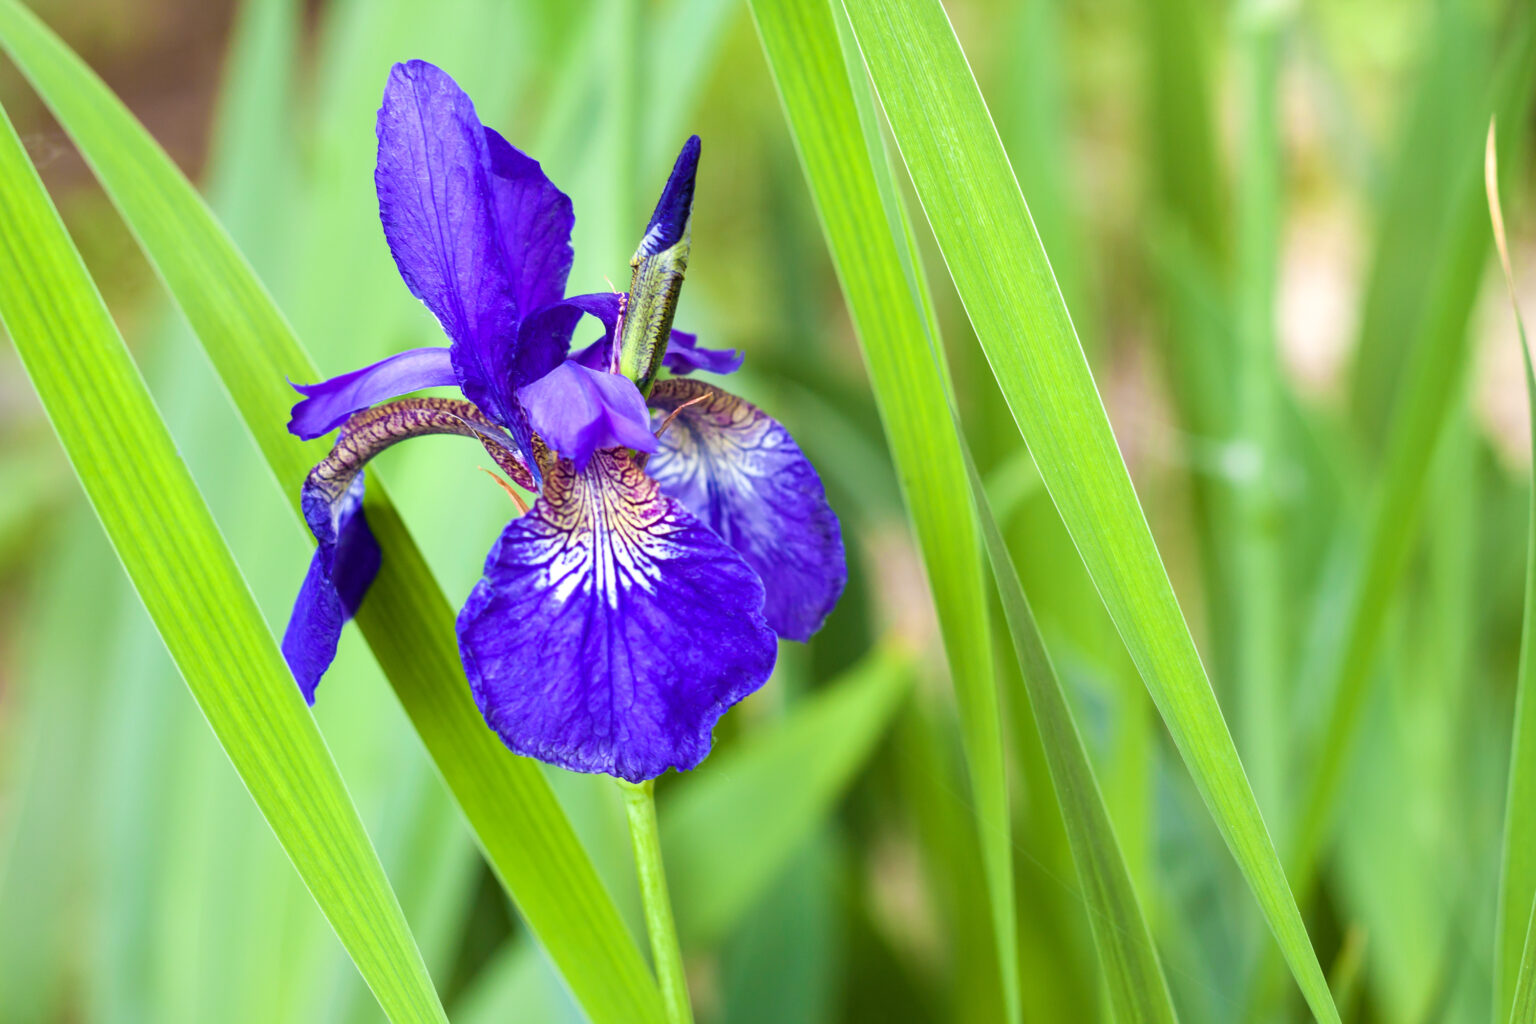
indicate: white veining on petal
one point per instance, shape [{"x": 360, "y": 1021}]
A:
[{"x": 603, "y": 531}]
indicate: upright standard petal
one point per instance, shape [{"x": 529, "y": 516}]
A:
[
  {"x": 578, "y": 410},
  {"x": 440, "y": 217},
  {"x": 534, "y": 221},
  {"x": 612, "y": 629},
  {"x": 744, "y": 476},
  {"x": 328, "y": 404},
  {"x": 344, "y": 564}
]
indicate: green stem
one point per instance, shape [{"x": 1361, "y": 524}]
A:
[{"x": 640, "y": 805}]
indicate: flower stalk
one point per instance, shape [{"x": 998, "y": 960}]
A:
[{"x": 640, "y": 807}]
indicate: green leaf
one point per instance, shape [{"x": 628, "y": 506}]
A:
[
  {"x": 183, "y": 572},
  {"x": 407, "y": 620},
  {"x": 805, "y": 56},
  {"x": 1137, "y": 989},
  {"x": 1514, "y": 950},
  {"x": 775, "y": 786},
  {"x": 1124, "y": 942},
  {"x": 983, "y": 229}
]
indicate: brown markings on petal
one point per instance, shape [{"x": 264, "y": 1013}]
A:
[{"x": 369, "y": 432}]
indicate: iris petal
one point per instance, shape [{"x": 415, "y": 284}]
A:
[
  {"x": 545, "y": 336},
  {"x": 344, "y": 564},
  {"x": 479, "y": 233},
  {"x": 742, "y": 474},
  {"x": 439, "y": 217},
  {"x": 684, "y": 356},
  {"x": 578, "y": 410},
  {"x": 534, "y": 220},
  {"x": 327, "y": 405},
  {"x": 347, "y": 557},
  {"x": 612, "y": 629}
]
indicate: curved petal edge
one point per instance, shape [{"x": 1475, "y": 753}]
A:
[
  {"x": 740, "y": 472},
  {"x": 612, "y": 629}
]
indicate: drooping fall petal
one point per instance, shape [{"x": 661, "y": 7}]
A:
[
  {"x": 742, "y": 474},
  {"x": 612, "y": 629}
]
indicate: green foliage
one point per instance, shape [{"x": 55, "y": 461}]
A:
[
  {"x": 801, "y": 42},
  {"x": 920, "y": 818},
  {"x": 178, "y": 562},
  {"x": 790, "y": 775},
  {"x": 1515, "y": 955},
  {"x": 1000, "y": 270},
  {"x": 407, "y": 617}
]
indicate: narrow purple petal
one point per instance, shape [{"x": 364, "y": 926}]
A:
[
  {"x": 684, "y": 356},
  {"x": 670, "y": 218},
  {"x": 606, "y": 306},
  {"x": 534, "y": 219},
  {"x": 441, "y": 201},
  {"x": 578, "y": 411},
  {"x": 344, "y": 564},
  {"x": 612, "y": 629},
  {"x": 327, "y": 405},
  {"x": 594, "y": 356},
  {"x": 744, "y": 476},
  {"x": 545, "y": 336}
]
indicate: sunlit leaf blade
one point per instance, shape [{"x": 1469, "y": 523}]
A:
[
  {"x": 774, "y": 788},
  {"x": 801, "y": 42},
  {"x": 407, "y": 620},
  {"x": 1137, "y": 988},
  {"x": 983, "y": 229},
  {"x": 1514, "y": 952},
  {"x": 183, "y": 572}
]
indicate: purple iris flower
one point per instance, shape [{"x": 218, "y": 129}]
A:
[{"x": 677, "y": 530}]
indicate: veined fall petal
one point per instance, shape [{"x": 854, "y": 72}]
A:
[
  {"x": 612, "y": 629},
  {"x": 345, "y": 561},
  {"x": 741, "y": 473},
  {"x": 346, "y": 557}
]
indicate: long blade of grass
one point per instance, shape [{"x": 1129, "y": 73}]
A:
[
  {"x": 873, "y": 229},
  {"x": 407, "y": 620},
  {"x": 805, "y": 56},
  {"x": 177, "y": 560},
  {"x": 1514, "y": 952},
  {"x": 983, "y": 229},
  {"x": 788, "y": 776},
  {"x": 1137, "y": 989}
]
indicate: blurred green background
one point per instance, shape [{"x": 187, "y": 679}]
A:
[{"x": 138, "y": 882}]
